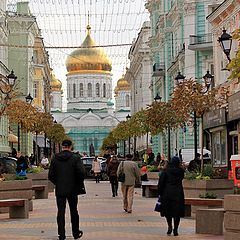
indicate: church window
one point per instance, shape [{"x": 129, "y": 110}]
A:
[
  {"x": 104, "y": 90},
  {"x": 127, "y": 101},
  {"x": 74, "y": 90},
  {"x": 96, "y": 143},
  {"x": 109, "y": 91},
  {"x": 81, "y": 90},
  {"x": 97, "y": 90},
  {"x": 89, "y": 90},
  {"x": 85, "y": 145},
  {"x": 35, "y": 90}
]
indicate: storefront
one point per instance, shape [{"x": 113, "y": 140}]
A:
[
  {"x": 233, "y": 123},
  {"x": 215, "y": 135}
]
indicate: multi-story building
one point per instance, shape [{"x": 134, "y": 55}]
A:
[
  {"x": 90, "y": 115},
  {"x": 181, "y": 42},
  {"x": 222, "y": 125},
  {"x": 4, "y": 126},
  {"x": 139, "y": 76},
  {"x": 29, "y": 59}
]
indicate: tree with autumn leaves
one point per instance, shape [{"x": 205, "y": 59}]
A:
[
  {"x": 188, "y": 97},
  {"x": 32, "y": 120}
]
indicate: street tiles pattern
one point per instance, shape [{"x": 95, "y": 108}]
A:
[{"x": 102, "y": 218}]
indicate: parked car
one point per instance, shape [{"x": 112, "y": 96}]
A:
[
  {"x": 87, "y": 162},
  {"x": 8, "y": 165}
]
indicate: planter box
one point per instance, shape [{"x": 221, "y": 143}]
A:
[
  {"x": 220, "y": 187},
  {"x": 38, "y": 178},
  {"x": 41, "y": 179},
  {"x": 16, "y": 189},
  {"x": 232, "y": 217},
  {"x": 153, "y": 175}
]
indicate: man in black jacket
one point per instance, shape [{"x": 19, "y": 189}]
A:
[{"x": 67, "y": 174}]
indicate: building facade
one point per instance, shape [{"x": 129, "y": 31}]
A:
[
  {"x": 139, "y": 76},
  {"x": 90, "y": 114},
  {"x": 31, "y": 66},
  {"x": 181, "y": 41},
  {"x": 223, "y": 124},
  {"x": 4, "y": 126}
]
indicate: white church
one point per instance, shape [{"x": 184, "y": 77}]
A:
[{"x": 90, "y": 114}]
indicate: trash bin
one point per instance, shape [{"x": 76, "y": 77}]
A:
[{"x": 235, "y": 164}]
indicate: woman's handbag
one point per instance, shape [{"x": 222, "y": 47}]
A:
[
  {"x": 121, "y": 176},
  {"x": 158, "y": 206}
]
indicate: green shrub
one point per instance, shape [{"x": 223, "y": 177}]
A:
[
  {"x": 152, "y": 168},
  {"x": 208, "y": 195},
  {"x": 20, "y": 177},
  {"x": 35, "y": 170}
]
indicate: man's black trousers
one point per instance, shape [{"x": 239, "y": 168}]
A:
[{"x": 61, "y": 204}]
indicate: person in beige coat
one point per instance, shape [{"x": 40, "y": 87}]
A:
[
  {"x": 132, "y": 177},
  {"x": 96, "y": 168}
]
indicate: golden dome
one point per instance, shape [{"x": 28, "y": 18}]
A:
[
  {"x": 56, "y": 84},
  {"x": 122, "y": 85},
  {"x": 88, "y": 58}
]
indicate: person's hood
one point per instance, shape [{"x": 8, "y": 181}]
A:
[{"x": 64, "y": 155}]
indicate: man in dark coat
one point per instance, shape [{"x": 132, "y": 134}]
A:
[
  {"x": 171, "y": 194},
  {"x": 67, "y": 174}
]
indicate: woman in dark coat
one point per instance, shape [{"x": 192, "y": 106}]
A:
[
  {"x": 171, "y": 193},
  {"x": 112, "y": 173}
]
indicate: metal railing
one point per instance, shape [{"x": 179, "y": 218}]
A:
[{"x": 201, "y": 39}]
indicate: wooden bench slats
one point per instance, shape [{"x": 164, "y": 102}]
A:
[
  {"x": 12, "y": 202},
  {"x": 38, "y": 187},
  {"x": 203, "y": 201}
]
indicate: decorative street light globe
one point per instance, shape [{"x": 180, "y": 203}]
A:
[
  {"x": 157, "y": 98},
  {"x": 226, "y": 43},
  {"x": 179, "y": 78}
]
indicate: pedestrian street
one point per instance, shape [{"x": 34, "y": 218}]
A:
[{"x": 102, "y": 218}]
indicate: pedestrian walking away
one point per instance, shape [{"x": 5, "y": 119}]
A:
[
  {"x": 171, "y": 194},
  {"x": 96, "y": 168},
  {"x": 66, "y": 172},
  {"x": 112, "y": 174},
  {"x": 132, "y": 177}
]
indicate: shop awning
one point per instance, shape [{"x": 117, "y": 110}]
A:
[{"x": 12, "y": 138}]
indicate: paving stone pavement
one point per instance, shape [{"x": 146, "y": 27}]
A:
[{"x": 101, "y": 218}]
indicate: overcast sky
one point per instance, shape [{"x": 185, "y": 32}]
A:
[{"x": 63, "y": 23}]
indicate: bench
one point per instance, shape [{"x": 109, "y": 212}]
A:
[
  {"x": 41, "y": 191},
  {"x": 210, "y": 221},
  {"x": 189, "y": 202},
  {"x": 18, "y": 208},
  {"x": 149, "y": 188}
]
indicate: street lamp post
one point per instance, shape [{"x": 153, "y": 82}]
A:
[
  {"x": 208, "y": 82},
  {"x": 128, "y": 117},
  {"x": 29, "y": 100},
  {"x": 7, "y": 84},
  {"x": 226, "y": 43}
]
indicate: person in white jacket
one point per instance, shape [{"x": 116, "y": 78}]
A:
[{"x": 96, "y": 168}]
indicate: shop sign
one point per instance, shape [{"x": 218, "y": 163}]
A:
[
  {"x": 234, "y": 107},
  {"x": 214, "y": 118}
]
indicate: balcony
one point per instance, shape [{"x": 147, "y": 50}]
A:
[
  {"x": 158, "y": 70},
  {"x": 201, "y": 42}
]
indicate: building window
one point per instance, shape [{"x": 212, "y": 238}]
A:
[
  {"x": 104, "y": 90},
  {"x": 35, "y": 88},
  {"x": 81, "y": 90},
  {"x": 127, "y": 101},
  {"x": 96, "y": 143},
  {"x": 74, "y": 90},
  {"x": 89, "y": 90},
  {"x": 219, "y": 147},
  {"x": 97, "y": 90},
  {"x": 85, "y": 145}
]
